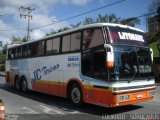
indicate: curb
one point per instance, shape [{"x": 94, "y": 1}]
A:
[{"x": 2, "y": 74}]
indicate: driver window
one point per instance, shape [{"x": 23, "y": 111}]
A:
[{"x": 93, "y": 55}]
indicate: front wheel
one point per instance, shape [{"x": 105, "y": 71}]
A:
[{"x": 76, "y": 95}]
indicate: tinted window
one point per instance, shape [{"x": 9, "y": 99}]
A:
[
  {"x": 25, "y": 51},
  {"x": 52, "y": 46},
  {"x": 75, "y": 41},
  {"x": 71, "y": 42},
  {"x": 18, "y": 53},
  {"x": 92, "y": 38},
  {"x": 40, "y": 48},
  {"x": 66, "y": 43}
]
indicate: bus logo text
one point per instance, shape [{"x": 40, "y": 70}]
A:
[{"x": 39, "y": 72}]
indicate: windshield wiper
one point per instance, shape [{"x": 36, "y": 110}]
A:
[{"x": 130, "y": 80}]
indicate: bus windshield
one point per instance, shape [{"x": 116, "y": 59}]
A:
[{"x": 131, "y": 63}]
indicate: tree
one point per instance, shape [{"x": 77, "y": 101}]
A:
[
  {"x": 102, "y": 19},
  {"x": 158, "y": 14},
  {"x": 4, "y": 49},
  {"x": 88, "y": 21},
  {"x": 111, "y": 18},
  {"x": 52, "y": 32},
  {"x": 153, "y": 36},
  {"x": 130, "y": 21},
  {"x": 2, "y": 58},
  {"x": 76, "y": 25},
  {"x": 153, "y": 7},
  {"x": 18, "y": 40},
  {"x": 63, "y": 29}
]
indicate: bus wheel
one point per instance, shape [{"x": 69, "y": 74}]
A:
[
  {"x": 18, "y": 84},
  {"x": 24, "y": 85},
  {"x": 75, "y": 94}
]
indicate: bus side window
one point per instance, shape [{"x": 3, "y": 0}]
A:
[
  {"x": 75, "y": 41},
  {"x": 31, "y": 50},
  {"x": 66, "y": 43},
  {"x": 52, "y": 46},
  {"x": 49, "y": 47},
  {"x": 9, "y": 54},
  {"x": 40, "y": 48},
  {"x": 71, "y": 42},
  {"x": 12, "y": 54},
  {"x": 18, "y": 53},
  {"x": 92, "y": 38},
  {"x": 25, "y": 51}
]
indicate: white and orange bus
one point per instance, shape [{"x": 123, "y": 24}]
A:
[{"x": 103, "y": 64}]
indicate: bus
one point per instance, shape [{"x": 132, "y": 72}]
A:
[{"x": 104, "y": 64}]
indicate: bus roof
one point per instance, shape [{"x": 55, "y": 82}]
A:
[{"x": 80, "y": 28}]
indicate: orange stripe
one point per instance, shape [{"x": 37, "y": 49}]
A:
[
  {"x": 2, "y": 111},
  {"x": 49, "y": 87},
  {"x": 2, "y": 118}
]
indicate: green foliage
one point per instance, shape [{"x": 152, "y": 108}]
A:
[
  {"x": 153, "y": 36},
  {"x": 131, "y": 21},
  {"x": 88, "y": 21},
  {"x": 76, "y": 25},
  {"x": 18, "y": 40},
  {"x": 111, "y": 18},
  {"x": 2, "y": 67},
  {"x": 2, "y": 58},
  {"x": 4, "y": 49},
  {"x": 153, "y": 45}
]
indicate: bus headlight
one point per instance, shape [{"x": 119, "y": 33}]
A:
[
  {"x": 123, "y": 98},
  {"x": 114, "y": 89}
]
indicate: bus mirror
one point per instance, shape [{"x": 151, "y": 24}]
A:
[
  {"x": 151, "y": 51},
  {"x": 109, "y": 56}
]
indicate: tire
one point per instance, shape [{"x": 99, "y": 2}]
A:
[
  {"x": 24, "y": 85},
  {"x": 75, "y": 94},
  {"x": 17, "y": 84}
]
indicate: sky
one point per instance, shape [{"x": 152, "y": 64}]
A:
[{"x": 49, "y": 11}]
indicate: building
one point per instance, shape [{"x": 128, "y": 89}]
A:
[{"x": 153, "y": 24}]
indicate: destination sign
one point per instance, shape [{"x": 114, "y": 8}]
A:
[
  {"x": 130, "y": 36},
  {"x": 126, "y": 36}
]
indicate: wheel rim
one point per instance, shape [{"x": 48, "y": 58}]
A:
[
  {"x": 17, "y": 84},
  {"x": 24, "y": 85},
  {"x": 76, "y": 95}
]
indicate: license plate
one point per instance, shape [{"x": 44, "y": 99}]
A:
[{"x": 139, "y": 95}]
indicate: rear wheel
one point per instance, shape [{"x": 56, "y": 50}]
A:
[
  {"x": 17, "y": 84},
  {"x": 24, "y": 85},
  {"x": 75, "y": 94}
]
